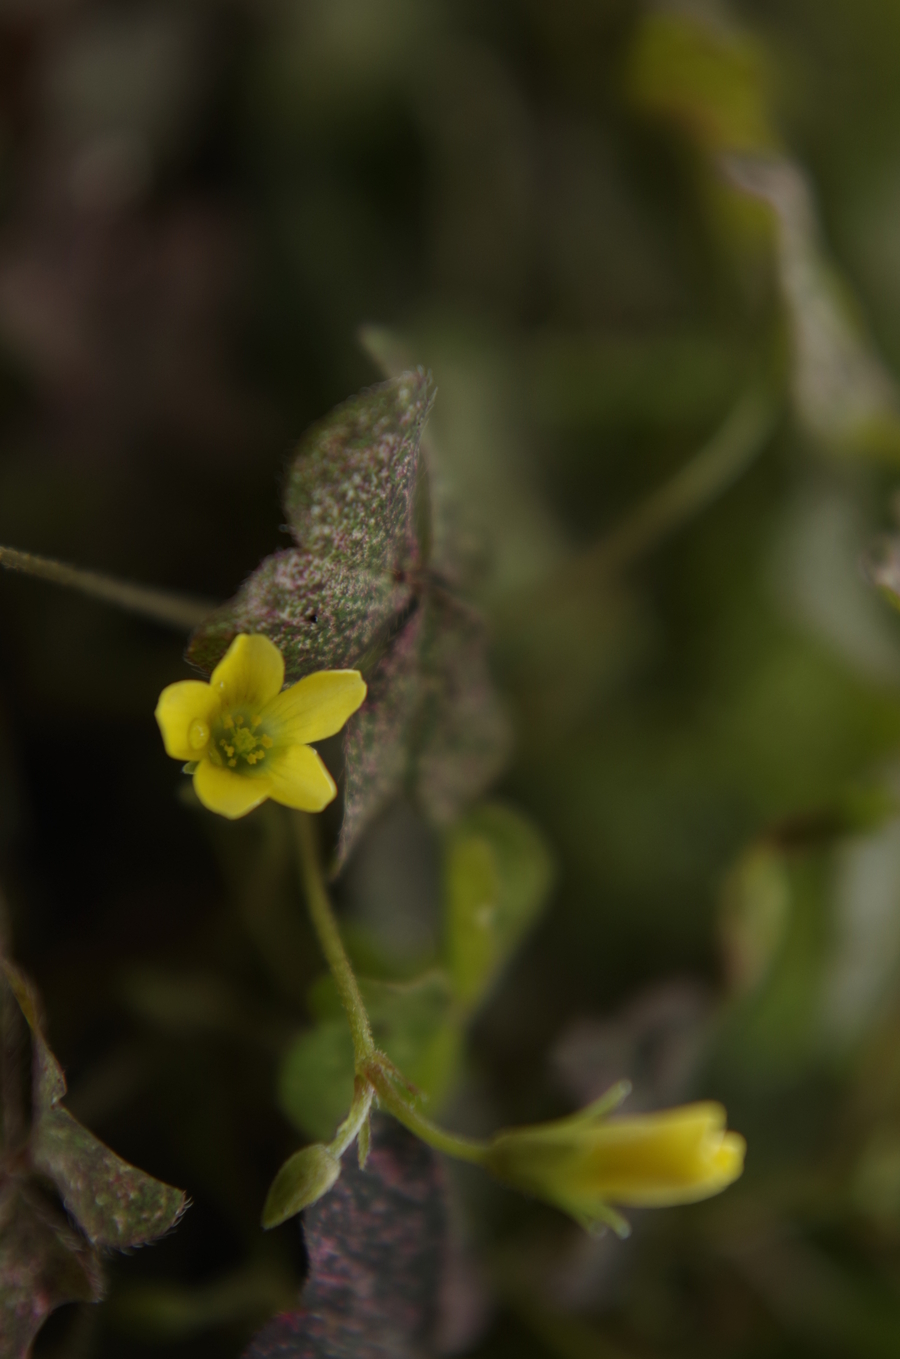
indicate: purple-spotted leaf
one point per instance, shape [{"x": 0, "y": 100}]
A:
[
  {"x": 115, "y": 1204},
  {"x": 377, "y": 1247},
  {"x": 379, "y": 737},
  {"x": 351, "y": 489},
  {"x": 463, "y": 733},
  {"x": 44, "y": 1263},
  {"x": 320, "y": 614}
]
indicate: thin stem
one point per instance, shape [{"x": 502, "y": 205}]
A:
[
  {"x": 452, "y": 1144},
  {"x": 162, "y": 606},
  {"x": 363, "y": 1094},
  {"x": 709, "y": 472},
  {"x": 329, "y": 937},
  {"x": 715, "y": 466}
]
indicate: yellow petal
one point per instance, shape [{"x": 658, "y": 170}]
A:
[
  {"x": 656, "y": 1160},
  {"x": 318, "y": 706},
  {"x": 298, "y": 778},
  {"x": 229, "y": 794},
  {"x": 250, "y": 673},
  {"x": 179, "y": 706}
]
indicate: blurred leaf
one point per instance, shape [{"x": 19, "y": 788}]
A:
[
  {"x": 376, "y": 1247},
  {"x": 172, "y": 1312},
  {"x": 303, "y": 1179},
  {"x": 411, "y": 1021},
  {"x": 654, "y": 382},
  {"x": 377, "y": 738},
  {"x": 497, "y": 874},
  {"x": 708, "y": 76},
  {"x": 463, "y": 733},
  {"x": 754, "y": 917},
  {"x": 315, "y": 1079},
  {"x": 844, "y": 394}
]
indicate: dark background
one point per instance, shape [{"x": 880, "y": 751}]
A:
[{"x": 202, "y": 203}]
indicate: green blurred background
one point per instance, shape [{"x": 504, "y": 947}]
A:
[{"x": 607, "y": 227}]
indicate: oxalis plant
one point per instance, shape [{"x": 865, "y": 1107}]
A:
[{"x": 362, "y": 628}]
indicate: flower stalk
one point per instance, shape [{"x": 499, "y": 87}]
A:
[{"x": 584, "y": 1164}]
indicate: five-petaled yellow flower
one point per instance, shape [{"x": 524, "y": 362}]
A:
[
  {"x": 246, "y": 740},
  {"x": 588, "y": 1162}
]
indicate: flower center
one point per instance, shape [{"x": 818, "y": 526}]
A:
[{"x": 239, "y": 742}]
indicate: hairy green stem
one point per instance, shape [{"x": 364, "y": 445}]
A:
[
  {"x": 162, "y": 606},
  {"x": 377, "y": 1074},
  {"x": 329, "y": 937},
  {"x": 452, "y": 1144}
]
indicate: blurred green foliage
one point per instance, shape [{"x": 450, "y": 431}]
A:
[{"x": 560, "y": 208}]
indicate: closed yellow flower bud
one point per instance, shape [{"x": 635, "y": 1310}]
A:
[{"x": 589, "y": 1162}]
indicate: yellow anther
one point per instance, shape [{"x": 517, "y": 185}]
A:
[
  {"x": 198, "y": 734},
  {"x": 266, "y": 741},
  {"x": 232, "y": 764},
  {"x": 239, "y": 721},
  {"x": 255, "y": 721},
  {"x": 228, "y": 721}
]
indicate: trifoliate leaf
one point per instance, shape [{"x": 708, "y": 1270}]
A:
[
  {"x": 376, "y": 1246},
  {"x": 354, "y": 594},
  {"x": 497, "y": 873},
  {"x": 350, "y": 492},
  {"x": 303, "y": 1178}
]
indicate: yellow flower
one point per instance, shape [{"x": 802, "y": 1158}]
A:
[
  {"x": 246, "y": 740},
  {"x": 588, "y": 1162}
]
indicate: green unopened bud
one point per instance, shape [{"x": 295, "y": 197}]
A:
[
  {"x": 589, "y": 1162},
  {"x": 303, "y": 1178}
]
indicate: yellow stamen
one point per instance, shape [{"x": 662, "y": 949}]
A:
[
  {"x": 228, "y": 721},
  {"x": 232, "y": 764},
  {"x": 267, "y": 742}
]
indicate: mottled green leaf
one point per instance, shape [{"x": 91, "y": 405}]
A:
[
  {"x": 320, "y": 614},
  {"x": 114, "y": 1203},
  {"x": 350, "y": 492},
  {"x": 377, "y": 738},
  {"x": 497, "y": 873},
  {"x": 303, "y": 1178},
  {"x": 463, "y": 736}
]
